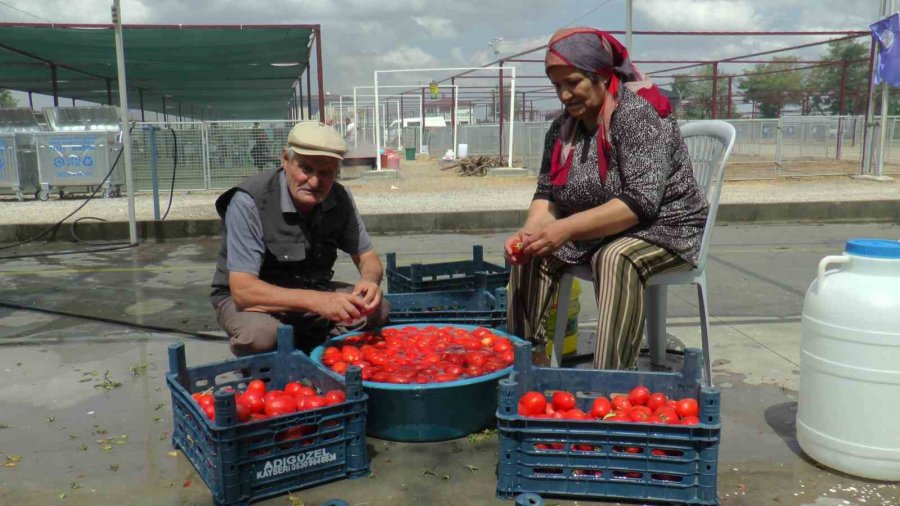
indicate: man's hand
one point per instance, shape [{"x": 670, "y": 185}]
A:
[
  {"x": 340, "y": 306},
  {"x": 547, "y": 239},
  {"x": 370, "y": 293}
]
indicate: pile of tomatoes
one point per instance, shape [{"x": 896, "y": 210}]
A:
[
  {"x": 421, "y": 354},
  {"x": 639, "y": 405},
  {"x": 256, "y": 402}
]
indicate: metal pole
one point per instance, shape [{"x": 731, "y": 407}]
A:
[
  {"x": 165, "y": 112},
  {"x": 309, "y": 96},
  {"x": 866, "y": 159},
  {"x": 180, "y": 117},
  {"x": 108, "y": 91},
  {"x": 512, "y": 109},
  {"x": 377, "y": 127},
  {"x": 123, "y": 112},
  {"x": 320, "y": 78},
  {"x": 30, "y": 101},
  {"x": 422, "y": 124},
  {"x": 141, "y": 98},
  {"x": 628, "y": 15},
  {"x": 399, "y": 128},
  {"x": 154, "y": 175},
  {"x": 73, "y": 102},
  {"x": 300, "y": 86},
  {"x": 500, "y": 99},
  {"x": 355, "y": 121},
  {"x": 55, "y": 85},
  {"x": 453, "y": 116},
  {"x": 728, "y": 105},
  {"x": 882, "y": 134},
  {"x": 715, "y": 97},
  {"x": 841, "y": 111},
  {"x": 341, "y": 114}
]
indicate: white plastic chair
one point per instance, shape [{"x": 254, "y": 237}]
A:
[{"x": 709, "y": 145}]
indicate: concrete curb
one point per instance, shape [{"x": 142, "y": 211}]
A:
[{"x": 880, "y": 211}]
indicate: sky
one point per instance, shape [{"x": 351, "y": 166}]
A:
[{"x": 361, "y": 36}]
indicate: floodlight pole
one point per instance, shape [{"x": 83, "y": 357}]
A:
[
  {"x": 422, "y": 123},
  {"x": 123, "y": 113},
  {"x": 355, "y": 121}
]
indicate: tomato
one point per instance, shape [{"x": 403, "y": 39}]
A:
[
  {"x": 272, "y": 394},
  {"x": 639, "y": 413},
  {"x": 243, "y": 410},
  {"x": 314, "y": 402},
  {"x": 480, "y": 331},
  {"x": 258, "y": 386},
  {"x": 340, "y": 367},
  {"x": 617, "y": 418},
  {"x": 620, "y": 402},
  {"x": 280, "y": 405},
  {"x": 656, "y": 400},
  {"x": 516, "y": 247},
  {"x": 575, "y": 414},
  {"x": 600, "y": 407},
  {"x": 293, "y": 388},
  {"x": 563, "y": 401},
  {"x": 210, "y": 411},
  {"x": 534, "y": 402},
  {"x": 254, "y": 401},
  {"x": 334, "y": 397},
  {"x": 445, "y": 377},
  {"x": 475, "y": 358},
  {"x": 638, "y": 396},
  {"x": 687, "y": 407},
  {"x": 654, "y": 419},
  {"x": 473, "y": 371},
  {"x": 331, "y": 350},
  {"x": 672, "y": 403},
  {"x": 502, "y": 344},
  {"x": 690, "y": 420},
  {"x": 197, "y": 396},
  {"x": 206, "y": 400},
  {"x": 308, "y": 391},
  {"x": 667, "y": 415}
]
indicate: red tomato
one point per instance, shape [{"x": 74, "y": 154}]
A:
[
  {"x": 339, "y": 367},
  {"x": 445, "y": 377},
  {"x": 600, "y": 407},
  {"x": 331, "y": 350},
  {"x": 314, "y": 402},
  {"x": 281, "y": 405},
  {"x": 534, "y": 402},
  {"x": 617, "y": 418},
  {"x": 639, "y": 413},
  {"x": 687, "y": 407},
  {"x": 516, "y": 247},
  {"x": 656, "y": 400},
  {"x": 672, "y": 403},
  {"x": 258, "y": 386},
  {"x": 690, "y": 420},
  {"x": 271, "y": 395},
  {"x": 620, "y": 403},
  {"x": 209, "y": 411},
  {"x": 197, "y": 396},
  {"x": 334, "y": 397},
  {"x": 479, "y": 332},
  {"x": 575, "y": 414},
  {"x": 667, "y": 415},
  {"x": 255, "y": 417},
  {"x": 306, "y": 391},
  {"x": 243, "y": 410},
  {"x": 473, "y": 371},
  {"x": 475, "y": 358},
  {"x": 206, "y": 400},
  {"x": 653, "y": 419},
  {"x": 563, "y": 401},
  {"x": 502, "y": 344},
  {"x": 351, "y": 354},
  {"x": 638, "y": 396},
  {"x": 293, "y": 388},
  {"x": 254, "y": 401}
]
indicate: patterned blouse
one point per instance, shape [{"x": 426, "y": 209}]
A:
[{"x": 649, "y": 170}]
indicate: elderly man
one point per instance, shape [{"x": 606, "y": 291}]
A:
[{"x": 282, "y": 230}]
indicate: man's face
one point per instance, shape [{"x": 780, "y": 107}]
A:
[{"x": 309, "y": 178}]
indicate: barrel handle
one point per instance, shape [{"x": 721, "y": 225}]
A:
[{"x": 825, "y": 262}]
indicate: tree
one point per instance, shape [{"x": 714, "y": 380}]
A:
[
  {"x": 824, "y": 83},
  {"x": 696, "y": 95},
  {"x": 773, "y": 86},
  {"x": 7, "y": 99}
]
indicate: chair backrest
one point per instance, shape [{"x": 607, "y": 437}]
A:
[{"x": 709, "y": 145}]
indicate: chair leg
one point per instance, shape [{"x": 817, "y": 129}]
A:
[
  {"x": 704, "y": 328},
  {"x": 562, "y": 310},
  {"x": 657, "y": 296}
]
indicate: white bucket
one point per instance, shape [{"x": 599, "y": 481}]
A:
[
  {"x": 850, "y": 362},
  {"x": 463, "y": 150}
]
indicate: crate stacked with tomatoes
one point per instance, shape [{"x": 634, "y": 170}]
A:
[
  {"x": 265, "y": 424},
  {"x": 608, "y": 434},
  {"x": 464, "y": 292}
]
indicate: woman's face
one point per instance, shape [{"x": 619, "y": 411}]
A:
[{"x": 581, "y": 97}]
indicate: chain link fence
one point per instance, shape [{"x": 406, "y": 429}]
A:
[{"x": 218, "y": 155}]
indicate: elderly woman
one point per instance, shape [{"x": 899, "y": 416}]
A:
[{"x": 616, "y": 190}]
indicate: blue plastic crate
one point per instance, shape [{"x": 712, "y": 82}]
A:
[
  {"x": 445, "y": 276},
  {"x": 476, "y": 306},
  {"x": 244, "y": 462},
  {"x": 607, "y": 460}
]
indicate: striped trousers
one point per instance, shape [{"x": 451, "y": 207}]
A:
[{"x": 621, "y": 269}]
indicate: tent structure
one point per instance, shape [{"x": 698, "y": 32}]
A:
[{"x": 197, "y": 71}]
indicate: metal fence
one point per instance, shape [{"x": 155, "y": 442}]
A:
[{"x": 217, "y": 155}]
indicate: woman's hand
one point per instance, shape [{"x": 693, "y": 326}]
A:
[
  {"x": 512, "y": 248},
  {"x": 547, "y": 239}
]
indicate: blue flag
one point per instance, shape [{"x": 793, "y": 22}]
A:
[{"x": 887, "y": 33}]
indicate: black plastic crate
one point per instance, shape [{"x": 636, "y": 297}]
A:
[
  {"x": 445, "y": 276},
  {"x": 476, "y": 306},
  {"x": 244, "y": 462},
  {"x": 607, "y": 460}
]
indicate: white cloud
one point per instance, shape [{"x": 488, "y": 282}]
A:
[
  {"x": 701, "y": 14},
  {"x": 438, "y": 28},
  {"x": 406, "y": 57}
]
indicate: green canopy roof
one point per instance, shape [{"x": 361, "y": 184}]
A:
[{"x": 230, "y": 72}]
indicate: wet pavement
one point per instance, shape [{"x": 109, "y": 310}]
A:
[{"x": 85, "y": 414}]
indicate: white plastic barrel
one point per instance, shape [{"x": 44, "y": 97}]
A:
[
  {"x": 849, "y": 404},
  {"x": 462, "y": 150}
]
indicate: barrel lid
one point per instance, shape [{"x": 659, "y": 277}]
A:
[{"x": 875, "y": 248}]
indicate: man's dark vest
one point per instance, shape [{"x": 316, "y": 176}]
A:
[{"x": 300, "y": 252}]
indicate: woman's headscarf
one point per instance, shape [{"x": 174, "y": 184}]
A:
[{"x": 596, "y": 52}]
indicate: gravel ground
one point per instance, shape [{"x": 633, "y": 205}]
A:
[{"x": 423, "y": 187}]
